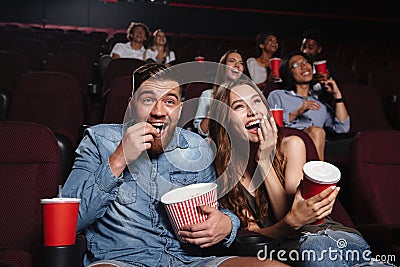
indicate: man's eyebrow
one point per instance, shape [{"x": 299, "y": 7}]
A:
[
  {"x": 152, "y": 93},
  {"x": 144, "y": 91},
  {"x": 172, "y": 94}
]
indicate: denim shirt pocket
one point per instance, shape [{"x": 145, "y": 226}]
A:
[
  {"x": 127, "y": 192},
  {"x": 183, "y": 177}
]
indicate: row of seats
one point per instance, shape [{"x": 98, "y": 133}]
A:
[
  {"x": 75, "y": 65},
  {"x": 56, "y": 100},
  {"x": 381, "y": 76},
  {"x": 350, "y": 56}
]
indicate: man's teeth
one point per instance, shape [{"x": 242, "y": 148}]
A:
[{"x": 158, "y": 126}]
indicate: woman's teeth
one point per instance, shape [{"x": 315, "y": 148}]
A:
[{"x": 253, "y": 124}]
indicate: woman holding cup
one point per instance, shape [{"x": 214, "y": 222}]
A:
[
  {"x": 261, "y": 67},
  {"x": 306, "y": 109},
  {"x": 259, "y": 175}
]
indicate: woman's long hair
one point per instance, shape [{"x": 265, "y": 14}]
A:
[
  {"x": 221, "y": 76},
  {"x": 260, "y": 39},
  {"x": 227, "y": 166},
  {"x": 152, "y": 42}
]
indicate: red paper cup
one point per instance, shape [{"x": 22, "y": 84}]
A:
[
  {"x": 60, "y": 217},
  {"x": 275, "y": 63},
  {"x": 318, "y": 176},
  {"x": 181, "y": 204},
  {"x": 321, "y": 67},
  {"x": 277, "y": 113},
  {"x": 199, "y": 59}
]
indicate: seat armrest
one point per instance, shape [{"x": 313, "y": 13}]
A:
[
  {"x": 5, "y": 102},
  {"x": 380, "y": 233},
  {"x": 340, "y": 136},
  {"x": 81, "y": 243},
  {"x": 67, "y": 154},
  {"x": 395, "y": 234},
  {"x": 249, "y": 243}
]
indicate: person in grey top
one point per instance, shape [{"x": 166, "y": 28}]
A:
[
  {"x": 122, "y": 170},
  {"x": 304, "y": 108}
]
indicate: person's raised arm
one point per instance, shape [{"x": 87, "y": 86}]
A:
[
  {"x": 267, "y": 135},
  {"x": 340, "y": 109},
  {"x": 294, "y": 150}
]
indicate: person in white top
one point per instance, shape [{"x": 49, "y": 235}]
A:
[
  {"x": 267, "y": 46},
  {"x": 231, "y": 67},
  {"x": 137, "y": 34},
  {"x": 158, "y": 49}
]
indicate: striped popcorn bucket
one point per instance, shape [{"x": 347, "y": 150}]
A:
[{"x": 181, "y": 204}]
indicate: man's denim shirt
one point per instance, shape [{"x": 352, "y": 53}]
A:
[{"x": 122, "y": 217}]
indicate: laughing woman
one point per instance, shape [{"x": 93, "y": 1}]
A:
[
  {"x": 231, "y": 67},
  {"x": 259, "y": 175}
]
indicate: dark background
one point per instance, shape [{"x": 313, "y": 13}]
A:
[{"x": 343, "y": 20}]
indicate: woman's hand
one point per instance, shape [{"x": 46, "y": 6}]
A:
[
  {"x": 306, "y": 211},
  {"x": 331, "y": 87},
  {"x": 307, "y": 105},
  {"x": 319, "y": 77},
  {"x": 267, "y": 136}
]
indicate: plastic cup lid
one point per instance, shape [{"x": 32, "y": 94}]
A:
[
  {"x": 319, "y": 62},
  {"x": 187, "y": 192},
  {"x": 321, "y": 172},
  {"x": 59, "y": 200}
]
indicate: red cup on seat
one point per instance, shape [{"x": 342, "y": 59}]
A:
[
  {"x": 199, "y": 59},
  {"x": 277, "y": 113},
  {"x": 318, "y": 176},
  {"x": 60, "y": 217}
]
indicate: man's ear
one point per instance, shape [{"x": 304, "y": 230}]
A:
[
  {"x": 319, "y": 49},
  {"x": 180, "y": 109}
]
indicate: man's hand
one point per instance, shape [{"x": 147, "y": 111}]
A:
[
  {"x": 211, "y": 231},
  {"x": 136, "y": 139}
]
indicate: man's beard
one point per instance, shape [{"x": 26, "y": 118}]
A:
[{"x": 156, "y": 147}]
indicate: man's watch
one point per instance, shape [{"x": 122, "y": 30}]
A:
[{"x": 339, "y": 100}]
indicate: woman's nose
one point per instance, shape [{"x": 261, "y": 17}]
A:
[{"x": 250, "y": 111}]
